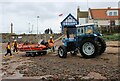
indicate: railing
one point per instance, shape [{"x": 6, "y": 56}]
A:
[{"x": 110, "y": 29}]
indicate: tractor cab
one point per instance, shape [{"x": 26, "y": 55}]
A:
[{"x": 87, "y": 29}]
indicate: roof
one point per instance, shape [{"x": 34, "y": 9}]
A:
[
  {"x": 67, "y": 18},
  {"x": 82, "y": 14},
  {"x": 101, "y": 13},
  {"x": 87, "y": 24}
]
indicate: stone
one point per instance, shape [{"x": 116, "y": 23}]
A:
[{"x": 96, "y": 75}]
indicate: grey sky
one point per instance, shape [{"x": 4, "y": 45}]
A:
[{"x": 20, "y": 13}]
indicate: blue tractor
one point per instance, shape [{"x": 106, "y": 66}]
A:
[{"x": 87, "y": 41}]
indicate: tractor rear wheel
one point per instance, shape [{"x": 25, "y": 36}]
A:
[
  {"x": 62, "y": 51},
  {"x": 102, "y": 45},
  {"x": 89, "y": 48}
]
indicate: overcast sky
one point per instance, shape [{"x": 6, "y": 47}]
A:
[{"x": 23, "y": 12}]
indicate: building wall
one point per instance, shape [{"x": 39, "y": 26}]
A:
[
  {"x": 30, "y": 38},
  {"x": 117, "y": 22},
  {"x": 119, "y": 10},
  {"x": 103, "y": 22},
  {"x": 83, "y": 20},
  {"x": 90, "y": 21}
]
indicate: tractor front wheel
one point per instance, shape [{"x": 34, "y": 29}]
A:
[
  {"x": 62, "y": 51},
  {"x": 89, "y": 48}
]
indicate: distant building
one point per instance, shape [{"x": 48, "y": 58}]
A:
[
  {"x": 69, "y": 22},
  {"x": 105, "y": 17},
  {"x": 82, "y": 16},
  {"x": 119, "y": 10}
]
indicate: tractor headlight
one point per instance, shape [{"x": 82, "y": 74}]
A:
[
  {"x": 101, "y": 35},
  {"x": 95, "y": 34}
]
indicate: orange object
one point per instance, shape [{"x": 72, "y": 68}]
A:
[
  {"x": 31, "y": 47},
  {"x": 51, "y": 44}
]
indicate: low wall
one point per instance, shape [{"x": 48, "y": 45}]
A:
[{"x": 33, "y": 38}]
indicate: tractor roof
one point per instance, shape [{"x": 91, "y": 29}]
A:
[{"x": 88, "y": 24}]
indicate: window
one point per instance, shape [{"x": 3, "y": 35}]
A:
[
  {"x": 115, "y": 13},
  {"x": 78, "y": 30},
  {"x": 110, "y": 13}
]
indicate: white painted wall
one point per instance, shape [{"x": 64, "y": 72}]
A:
[
  {"x": 117, "y": 22},
  {"x": 83, "y": 20},
  {"x": 103, "y": 22}
]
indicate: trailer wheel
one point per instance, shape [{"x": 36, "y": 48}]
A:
[
  {"x": 27, "y": 54},
  {"x": 62, "y": 51},
  {"x": 44, "y": 52},
  {"x": 33, "y": 54},
  {"x": 89, "y": 48}
]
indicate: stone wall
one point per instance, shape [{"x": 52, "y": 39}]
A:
[{"x": 33, "y": 38}]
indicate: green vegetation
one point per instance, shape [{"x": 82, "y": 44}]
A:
[{"x": 113, "y": 37}]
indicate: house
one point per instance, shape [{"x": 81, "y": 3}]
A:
[
  {"x": 105, "y": 17},
  {"x": 82, "y": 16},
  {"x": 69, "y": 23}
]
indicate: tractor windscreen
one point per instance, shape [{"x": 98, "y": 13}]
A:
[{"x": 89, "y": 29}]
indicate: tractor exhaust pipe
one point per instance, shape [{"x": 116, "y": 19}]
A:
[{"x": 67, "y": 32}]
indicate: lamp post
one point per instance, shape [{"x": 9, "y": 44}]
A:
[
  {"x": 37, "y": 23},
  {"x": 32, "y": 29},
  {"x": 28, "y": 27}
]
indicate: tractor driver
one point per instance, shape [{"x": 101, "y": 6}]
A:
[{"x": 89, "y": 31}]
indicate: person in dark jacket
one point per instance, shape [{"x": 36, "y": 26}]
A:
[{"x": 15, "y": 46}]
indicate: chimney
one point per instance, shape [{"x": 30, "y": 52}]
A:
[
  {"x": 78, "y": 11},
  {"x": 109, "y": 7}
]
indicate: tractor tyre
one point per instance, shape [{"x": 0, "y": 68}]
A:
[
  {"x": 102, "y": 45},
  {"x": 89, "y": 48},
  {"x": 62, "y": 51}
]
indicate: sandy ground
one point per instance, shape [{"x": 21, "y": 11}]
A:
[{"x": 51, "y": 67}]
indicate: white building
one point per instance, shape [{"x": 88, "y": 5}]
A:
[{"x": 105, "y": 17}]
